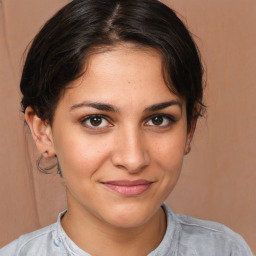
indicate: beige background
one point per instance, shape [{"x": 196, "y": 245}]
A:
[{"x": 219, "y": 176}]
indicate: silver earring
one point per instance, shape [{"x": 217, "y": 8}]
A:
[
  {"x": 58, "y": 168},
  {"x": 46, "y": 170}
]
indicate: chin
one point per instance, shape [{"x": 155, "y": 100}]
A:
[{"x": 130, "y": 215}]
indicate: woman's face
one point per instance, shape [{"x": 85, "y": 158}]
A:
[{"x": 120, "y": 136}]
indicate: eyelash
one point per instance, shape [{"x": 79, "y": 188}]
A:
[
  {"x": 87, "y": 118},
  {"x": 169, "y": 118}
]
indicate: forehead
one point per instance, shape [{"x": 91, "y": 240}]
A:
[{"x": 125, "y": 74}]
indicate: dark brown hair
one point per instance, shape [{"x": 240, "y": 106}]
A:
[{"x": 59, "y": 51}]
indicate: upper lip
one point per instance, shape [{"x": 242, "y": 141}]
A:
[{"x": 128, "y": 182}]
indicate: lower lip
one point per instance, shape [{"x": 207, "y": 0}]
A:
[{"x": 133, "y": 190}]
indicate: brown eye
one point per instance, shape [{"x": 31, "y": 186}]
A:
[
  {"x": 95, "y": 121},
  {"x": 157, "y": 120},
  {"x": 161, "y": 120}
]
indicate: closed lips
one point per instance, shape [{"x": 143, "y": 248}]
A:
[
  {"x": 128, "y": 188},
  {"x": 128, "y": 182}
]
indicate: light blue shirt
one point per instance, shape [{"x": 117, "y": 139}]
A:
[{"x": 185, "y": 236}]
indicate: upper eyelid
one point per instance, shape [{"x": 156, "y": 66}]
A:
[
  {"x": 83, "y": 121},
  {"x": 171, "y": 117},
  {"x": 147, "y": 119},
  {"x": 94, "y": 115}
]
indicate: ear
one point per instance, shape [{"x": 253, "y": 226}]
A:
[
  {"x": 41, "y": 132},
  {"x": 190, "y": 135}
]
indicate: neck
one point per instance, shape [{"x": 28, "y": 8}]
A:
[{"x": 98, "y": 238}]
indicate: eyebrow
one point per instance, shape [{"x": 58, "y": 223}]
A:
[
  {"x": 96, "y": 105},
  {"x": 111, "y": 108},
  {"x": 163, "y": 105}
]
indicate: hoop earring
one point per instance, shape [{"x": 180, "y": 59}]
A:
[
  {"x": 46, "y": 170},
  {"x": 58, "y": 168}
]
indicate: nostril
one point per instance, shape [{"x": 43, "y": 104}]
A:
[
  {"x": 129, "y": 163},
  {"x": 130, "y": 152}
]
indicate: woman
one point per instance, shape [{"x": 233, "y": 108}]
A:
[{"x": 112, "y": 90}]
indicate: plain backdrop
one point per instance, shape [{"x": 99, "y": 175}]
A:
[{"x": 219, "y": 175}]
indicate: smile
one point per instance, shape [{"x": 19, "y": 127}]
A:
[{"x": 128, "y": 188}]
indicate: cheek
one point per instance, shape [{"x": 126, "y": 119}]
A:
[
  {"x": 168, "y": 154},
  {"x": 80, "y": 155},
  {"x": 170, "y": 149}
]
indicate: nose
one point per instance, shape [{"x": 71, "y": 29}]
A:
[{"x": 130, "y": 152}]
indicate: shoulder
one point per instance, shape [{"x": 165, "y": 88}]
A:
[
  {"x": 31, "y": 243},
  {"x": 202, "y": 237}
]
